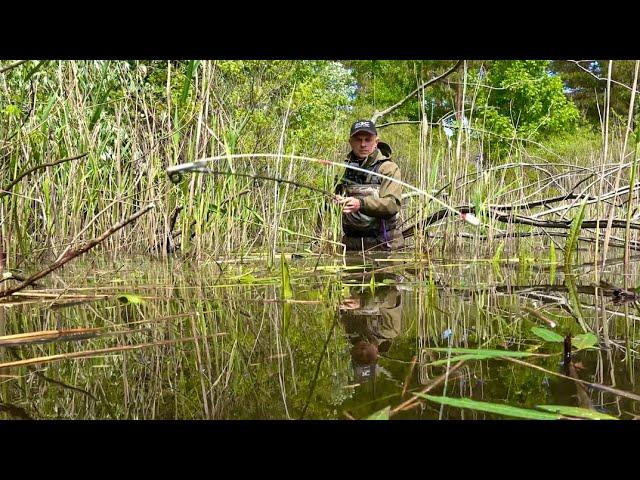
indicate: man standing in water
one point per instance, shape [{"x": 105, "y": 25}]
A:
[{"x": 370, "y": 204}]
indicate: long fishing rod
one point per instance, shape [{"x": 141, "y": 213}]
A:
[
  {"x": 200, "y": 169},
  {"x": 201, "y": 166}
]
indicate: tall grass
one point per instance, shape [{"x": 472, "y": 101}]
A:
[{"x": 134, "y": 119}]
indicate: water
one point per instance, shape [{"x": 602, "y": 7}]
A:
[{"x": 215, "y": 340}]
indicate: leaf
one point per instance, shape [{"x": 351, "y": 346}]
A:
[
  {"x": 191, "y": 67},
  {"x": 476, "y": 354},
  {"x": 457, "y": 358},
  {"x": 572, "y": 240},
  {"x": 130, "y": 298},
  {"x": 484, "y": 353},
  {"x": 547, "y": 335},
  {"x": 497, "y": 408},
  {"x": 248, "y": 278},
  {"x": 498, "y": 254},
  {"x": 584, "y": 340},
  {"x": 287, "y": 291},
  {"x": 576, "y": 412},
  {"x": 380, "y": 414}
]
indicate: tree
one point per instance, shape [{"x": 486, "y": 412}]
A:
[
  {"x": 523, "y": 98},
  {"x": 586, "y": 84}
]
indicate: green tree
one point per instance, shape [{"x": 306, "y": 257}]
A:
[
  {"x": 523, "y": 98},
  {"x": 586, "y": 84}
]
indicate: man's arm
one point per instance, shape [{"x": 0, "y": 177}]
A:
[{"x": 390, "y": 194}]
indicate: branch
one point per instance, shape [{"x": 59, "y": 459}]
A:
[
  {"x": 519, "y": 219},
  {"x": 71, "y": 254},
  {"x": 379, "y": 114},
  {"x": 618, "y": 243},
  {"x": 12, "y": 66},
  {"x": 602, "y": 79},
  {"x": 5, "y": 190}
]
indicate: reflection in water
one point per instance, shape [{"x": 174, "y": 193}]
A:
[
  {"x": 210, "y": 345},
  {"x": 372, "y": 318}
]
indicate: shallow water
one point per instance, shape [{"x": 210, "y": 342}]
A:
[{"x": 216, "y": 339}]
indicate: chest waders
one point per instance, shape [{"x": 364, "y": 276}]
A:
[{"x": 358, "y": 225}]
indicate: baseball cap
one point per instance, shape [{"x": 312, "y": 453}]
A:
[{"x": 363, "y": 126}]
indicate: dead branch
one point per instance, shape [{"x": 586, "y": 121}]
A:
[
  {"x": 6, "y": 190},
  {"x": 379, "y": 114},
  {"x": 12, "y": 66},
  {"x": 633, "y": 245},
  {"x": 505, "y": 217},
  {"x": 601, "y": 79},
  {"x": 71, "y": 254}
]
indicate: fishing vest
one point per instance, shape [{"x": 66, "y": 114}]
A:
[
  {"x": 380, "y": 316},
  {"x": 364, "y": 184}
]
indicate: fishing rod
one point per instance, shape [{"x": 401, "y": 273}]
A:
[
  {"x": 175, "y": 174},
  {"x": 201, "y": 166}
]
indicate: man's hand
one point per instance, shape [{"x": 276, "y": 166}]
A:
[{"x": 349, "y": 204}]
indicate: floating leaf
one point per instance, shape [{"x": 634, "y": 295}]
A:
[
  {"x": 497, "y": 408},
  {"x": 484, "y": 353},
  {"x": 584, "y": 340},
  {"x": 130, "y": 298},
  {"x": 476, "y": 354},
  {"x": 576, "y": 412},
  {"x": 547, "y": 335},
  {"x": 380, "y": 414},
  {"x": 457, "y": 358}
]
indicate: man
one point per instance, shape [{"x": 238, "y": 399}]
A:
[
  {"x": 372, "y": 320},
  {"x": 370, "y": 203}
]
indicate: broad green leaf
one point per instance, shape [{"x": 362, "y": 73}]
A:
[
  {"x": 484, "y": 353},
  {"x": 576, "y": 412},
  {"x": 498, "y": 254},
  {"x": 248, "y": 279},
  {"x": 497, "y": 408},
  {"x": 380, "y": 414},
  {"x": 457, "y": 358},
  {"x": 130, "y": 298},
  {"x": 287, "y": 291},
  {"x": 547, "y": 335},
  {"x": 584, "y": 340}
]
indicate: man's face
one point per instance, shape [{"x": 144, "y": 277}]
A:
[{"x": 363, "y": 144}]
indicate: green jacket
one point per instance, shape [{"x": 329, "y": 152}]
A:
[{"x": 387, "y": 202}]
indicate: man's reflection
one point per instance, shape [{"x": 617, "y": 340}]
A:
[{"x": 372, "y": 318}]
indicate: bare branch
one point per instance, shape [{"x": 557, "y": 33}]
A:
[
  {"x": 6, "y": 190},
  {"x": 378, "y": 115},
  {"x": 74, "y": 253},
  {"x": 12, "y": 66},
  {"x": 520, "y": 219},
  {"x": 576, "y": 62}
]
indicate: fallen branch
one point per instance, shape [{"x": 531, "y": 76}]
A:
[
  {"x": 598, "y": 386},
  {"x": 71, "y": 254},
  {"x": 518, "y": 219},
  {"x": 415, "y": 399},
  {"x": 633, "y": 245},
  {"x": 102, "y": 351}
]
